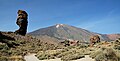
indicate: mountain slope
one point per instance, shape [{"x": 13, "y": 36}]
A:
[
  {"x": 63, "y": 31},
  {"x": 113, "y": 36}
]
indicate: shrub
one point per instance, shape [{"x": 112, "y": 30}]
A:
[
  {"x": 116, "y": 47},
  {"x": 95, "y": 53},
  {"x": 49, "y": 54},
  {"x": 117, "y": 41},
  {"x": 3, "y": 58},
  {"x": 64, "y": 54},
  {"x": 83, "y": 46},
  {"x": 45, "y": 56},
  {"x": 70, "y": 47},
  {"x": 2, "y": 45},
  {"x": 105, "y": 54},
  {"x": 71, "y": 57},
  {"x": 16, "y": 58}
]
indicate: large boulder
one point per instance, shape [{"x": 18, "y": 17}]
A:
[{"x": 94, "y": 39}]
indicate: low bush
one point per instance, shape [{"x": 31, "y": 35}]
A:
[
  {"x": 49, "y": 54},
  {"x": 3, "y": 58},
  {"x": 116, "y": 47},
  {"x": 83, "y": 46},
  {"x": 105, "y": 54},
  {"x": 69, "y": 57},
  {"x": 65, "y": 55},
  {"x": 2, "y": 45}
]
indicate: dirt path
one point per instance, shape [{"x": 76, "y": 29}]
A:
[
  {"x": 32, "y": 57},
  {"x": 87, "y": 58}
]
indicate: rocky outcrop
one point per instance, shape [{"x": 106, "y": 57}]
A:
[
  {"x": 94, "y": 39},
  {"x": 22, "y": 22}
]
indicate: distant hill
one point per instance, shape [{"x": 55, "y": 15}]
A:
[
  {"x": 63, "y": 31},
  {"x": 113, "y": 36}
]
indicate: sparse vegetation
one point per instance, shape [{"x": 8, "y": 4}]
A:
[
  {"x": 21, "y": 45},
  {"x": 66, "y": 54},
  {"x": 99, "y": 52},
  {"x": 17, "y": 45}
]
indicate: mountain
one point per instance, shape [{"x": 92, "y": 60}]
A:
[
  {"x": 113, "y": 36},
  {"x": 63, "y": 32}
]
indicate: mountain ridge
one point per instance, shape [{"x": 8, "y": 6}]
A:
[{"x": 63, "y": 31}]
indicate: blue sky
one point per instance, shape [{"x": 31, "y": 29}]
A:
[{"x": 101, "y": 16}]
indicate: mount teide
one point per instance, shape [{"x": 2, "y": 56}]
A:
[{"x": 63, "y": 31}]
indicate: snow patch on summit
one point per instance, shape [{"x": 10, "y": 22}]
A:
[{"x": 58, "y": 25}]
